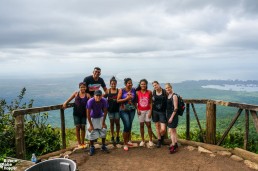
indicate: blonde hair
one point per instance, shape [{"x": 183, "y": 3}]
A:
[{"x": 168, "y": 84}]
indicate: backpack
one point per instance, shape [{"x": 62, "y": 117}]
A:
[{"x": 181, "y": 105}]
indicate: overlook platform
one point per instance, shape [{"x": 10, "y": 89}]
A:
[{"x": 190, "y": 156}]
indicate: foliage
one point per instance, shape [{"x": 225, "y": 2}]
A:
[{"x": 40, "y": 138}]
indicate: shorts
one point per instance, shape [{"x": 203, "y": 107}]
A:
[
  {"x": 159, "y": 117},
  {"x": 113, "y": 115},
  {"x": 143, "y": 117},
  {"x": 96, "y": 133},
  {"x": 174, "y": 122},
  {"x": 79, "y": 120}
]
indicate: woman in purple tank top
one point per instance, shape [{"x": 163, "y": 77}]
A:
[{"x": 126, "y": 97}]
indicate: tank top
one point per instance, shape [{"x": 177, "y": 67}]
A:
[
  {"x": 128, "y": 105},
  {"x": 113, "y": 106},
  {"x": 159, "y": 101},
  {"x": 79, "y": 108},
  {"x": 144, "y": 100}
]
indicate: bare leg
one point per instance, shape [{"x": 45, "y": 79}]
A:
[
  {"x": 82, "y": 133},
  {"x": 142, "y": 130},
  {"x": 117, "y": 122},
  {"x": 148, "y": 124},
  {"x": 78, "y": 134},
  {"x": 157, "y": 124}
]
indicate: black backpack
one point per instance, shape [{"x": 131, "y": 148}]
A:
[{"x": 181, "y": 105}]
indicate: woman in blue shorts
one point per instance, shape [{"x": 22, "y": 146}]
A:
[{"x": 79, "y": 113}]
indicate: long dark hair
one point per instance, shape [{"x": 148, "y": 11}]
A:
[
  {"x": 139, "y": 85},
  {"x": 126, "y": 80}
]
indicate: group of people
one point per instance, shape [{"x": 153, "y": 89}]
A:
[{"x": 91, "y": 106}]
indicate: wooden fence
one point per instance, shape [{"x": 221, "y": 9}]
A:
[{"x": 209, "y": 137}]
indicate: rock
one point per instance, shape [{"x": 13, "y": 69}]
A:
[
  {"x": 203, "y": 150},
  {"x": 236, "y": 158},
  {"x": 224, "y": 153},
  {"x": 119, "y": 146},
  {"x": 212, "y": 155},
  {"x": 54, "y": 157},
  {"x": 67, "y": 153},
  {"x": 251, "y": 165},
  {"x": 97, "y": 146},
  {"x": 148, "y": 146},
  {"x": 110, "y": 146},
  {"x": 190, "y": 148}
]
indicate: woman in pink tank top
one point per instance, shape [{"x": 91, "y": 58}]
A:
[{"x": 144, "y": 109}]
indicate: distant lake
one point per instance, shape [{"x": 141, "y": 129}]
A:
[{"x": 236, "y": 87}]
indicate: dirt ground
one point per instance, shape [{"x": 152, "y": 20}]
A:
[{"x": 154, "y": 159}]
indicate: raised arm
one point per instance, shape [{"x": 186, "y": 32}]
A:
[{"x": 69, "y": 99}]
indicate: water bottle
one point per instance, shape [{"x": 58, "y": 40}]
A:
[{"x": 33, "y": 158}]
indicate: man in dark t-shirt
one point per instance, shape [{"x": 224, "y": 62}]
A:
[{"x": 94, "y": 81}]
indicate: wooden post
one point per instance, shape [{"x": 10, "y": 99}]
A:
[
  {"x": 63, "y": 128},
  {"x": 211, "y": 122},
  {"x": 187, "y": 121},
  {"x": 246, "y": 129},
  {"x": 19, "y": 137},
  {"x": 255, "y": 119}
]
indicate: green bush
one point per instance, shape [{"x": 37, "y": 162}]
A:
[{"x": 40, "y": 138}]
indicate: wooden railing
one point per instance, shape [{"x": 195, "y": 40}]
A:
[{"x": 209, "y": 137}]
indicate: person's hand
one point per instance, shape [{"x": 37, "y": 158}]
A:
[
  {"x": 170, "y": 120},
  {"x": 64, "y": 106},
  {"x": 104, "y": 125},
  {"x": 149, "y": 114},
  {"x": 88, "y": 95},
  {"x": 90, "y": 128},
  {"x": 138, "y": 112}
]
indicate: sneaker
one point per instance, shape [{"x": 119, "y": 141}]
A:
[
  {"x": 125, "y": 147},
  {"x": 113, "y": 140},
  {"x": 117, "y": 140},
  {"x": 158, "y": 144},
  {"x": 104, "y": 149},
  {"x": 130, "y": 144},
  {"x": 172, "y": 149},
  {"x": 142, "y": 144},
  {"x": 151, "y": 144},
  {"x": 92, "y": 150}
]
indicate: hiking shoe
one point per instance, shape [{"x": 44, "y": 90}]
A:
[
  {"x": 130, "y": 144},
  {"x": 142, "y": 144},
  {"x": 113, "y": 140},
  {"x": 176, "y": 146},
  {"x": 172, "y": 149},
  {"x": 162, "y": 140},
  {"x": 125, "y": 147},
  {"x": 117, "y": 140},
  {"x": 151, "y": 144},
  {"x": 158, "y": 144},
  {"x": 92, "y": 150},
  {"x": 104, "y": 149}
]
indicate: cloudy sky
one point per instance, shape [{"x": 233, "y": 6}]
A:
[{"x": 166, "y": 40}]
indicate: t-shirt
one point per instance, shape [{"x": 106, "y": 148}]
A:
[
  {"x": 97, "y": 107},
  {"x": 93, "y": 85}
]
